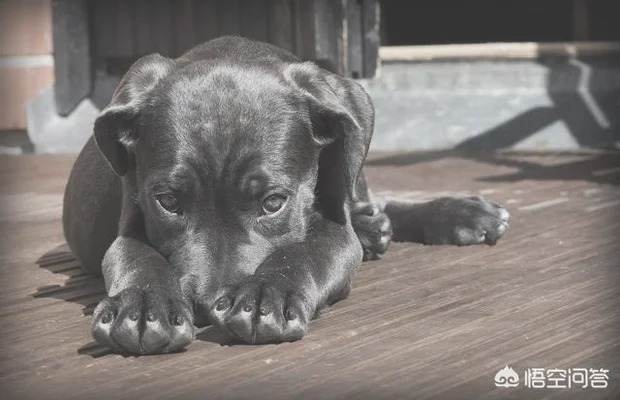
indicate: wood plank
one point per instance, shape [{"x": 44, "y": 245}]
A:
[
  {"x": 123, "y": 31},
  {"x": 206, "y": 20},
  {"x": 183, "y": 26},
  {"x": 371, "y": 36},
  {"x": 142, "y": 27},
  {"x": 304, "y": 29},
  {"x": 229, "y": 19},
  {"x": 161, "y": 23},
  {"x": 105, "y": 25},
  {"x": 281, "y": 29},
  {"x": 329, "y": 45},
  {"x": 498, "y": 50},
  {"x": 72, "y": 73},
  {"x": 422, "y": 322},
  {"x": 253, "y": 15},
  {"x": 355, "y": 40}
]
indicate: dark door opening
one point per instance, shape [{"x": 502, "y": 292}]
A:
[{"x": 425, "y": 22}]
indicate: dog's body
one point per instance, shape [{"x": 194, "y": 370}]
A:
[{"x": 226, "y": 186}]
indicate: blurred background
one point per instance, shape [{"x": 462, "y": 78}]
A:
[{"x": 476, "y": 74}]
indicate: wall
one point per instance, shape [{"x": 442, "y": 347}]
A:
[
  {"x": 26, "y": 63},
  {"x": 548, "y": 103}
]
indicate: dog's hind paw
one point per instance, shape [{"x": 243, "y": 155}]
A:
[
  {"x": 373, "y": 229},
  {"x": 142, "y": 322},
  {"x": 465, "y": 221}
]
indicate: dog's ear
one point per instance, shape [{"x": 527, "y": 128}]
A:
[
  {"x": 115, "y": 129},
  {"x": 342, "y": 119}
]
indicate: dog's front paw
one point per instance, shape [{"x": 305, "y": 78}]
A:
[
  {"x": 464, "y": 221},
  {"x": 261, "y": 310},
  {"x": 140, "y": 321},
  {"x": 373, "y": 229}
]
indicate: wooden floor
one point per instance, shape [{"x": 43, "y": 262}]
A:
[{"x": 423, "y": 322}]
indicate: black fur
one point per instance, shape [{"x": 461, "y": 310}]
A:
[{"x": 168, "y": 199}]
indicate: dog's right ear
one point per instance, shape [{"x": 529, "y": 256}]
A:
[{"x": 115, "y": 129}]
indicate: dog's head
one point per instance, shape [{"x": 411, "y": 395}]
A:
[{"x": 229, "y": 161}]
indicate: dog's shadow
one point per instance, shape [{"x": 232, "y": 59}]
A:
[
  {"x": 87, "y": 291},
  {"x": 80, "y": 288}
]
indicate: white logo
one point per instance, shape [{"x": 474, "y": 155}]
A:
[
  {"x": 506, "y": 377},
  {"x": 554, "y": 378}
]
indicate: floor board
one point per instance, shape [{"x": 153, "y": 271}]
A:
[{"x": 422, "y": 322}]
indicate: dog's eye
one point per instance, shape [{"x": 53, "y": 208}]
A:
[
  {"x": 168, "y": 202},
  {"x": 273, "y": 203}
]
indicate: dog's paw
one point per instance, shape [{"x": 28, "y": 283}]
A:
[
  {"x": 261, "y": 310},
  {"x": 373, "y": 229},
  {"x": 465, "y": 221},
  {"x": 143, "y": 322}
]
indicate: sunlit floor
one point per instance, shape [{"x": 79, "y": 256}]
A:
[{"x": 422, "y": 322}]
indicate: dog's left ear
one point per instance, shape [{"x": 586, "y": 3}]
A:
[{"x": 342, "y": 119}]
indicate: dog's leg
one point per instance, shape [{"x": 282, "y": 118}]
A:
[
  {"x": 289, "y": 287},
  {"x": 91, "y": 208},
  {"x": 145, "y": 311},
  {"x": 448, "y": 220},
  {"x": 372, "y": 226}
]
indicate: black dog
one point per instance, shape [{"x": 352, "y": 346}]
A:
[{"x": 226, "y": 185}]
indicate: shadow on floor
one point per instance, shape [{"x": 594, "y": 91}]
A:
[
  {"x": 582, "y": 97},
  {"x": 597, "y": 167},
  {"x": 87, "y": 291},
  {"x": 80, "y": 288}
]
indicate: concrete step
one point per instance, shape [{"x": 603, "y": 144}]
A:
[
  {"x": 556, "y": 103},
  {"x": 550, "y": 104}
]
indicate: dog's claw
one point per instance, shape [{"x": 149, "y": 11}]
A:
[
  {"x": 373, "y": 229},
  {"x": 466, "y": 221},
  {"x": 139, "y": 322},
  {"x": 262, "y": 312}
]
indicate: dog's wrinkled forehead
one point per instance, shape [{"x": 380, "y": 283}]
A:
[{"x": 225, "y": 114}]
